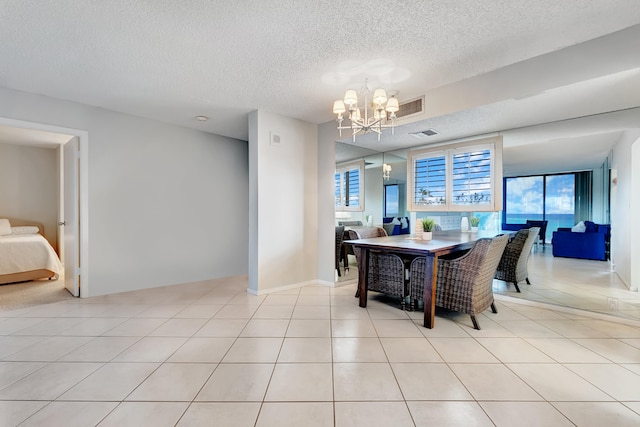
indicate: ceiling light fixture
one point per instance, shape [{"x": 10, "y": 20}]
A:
[
  {"x": 386, "y": 171},
  {"x": 373, "y": 121},
  {"x": 202, "y": 118}
]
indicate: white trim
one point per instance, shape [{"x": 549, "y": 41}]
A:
[{"x": 83, "y": 141}]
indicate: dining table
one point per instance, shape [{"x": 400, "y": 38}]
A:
[{"x": 442, "y": 243}]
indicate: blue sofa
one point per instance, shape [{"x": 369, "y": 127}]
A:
[
  {"x": 592, "y": 244},
  {"x": 395, "y": 228}
]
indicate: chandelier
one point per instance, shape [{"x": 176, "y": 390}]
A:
[{"x": 373, "y": 117}]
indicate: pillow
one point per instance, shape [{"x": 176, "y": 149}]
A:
[
  {"x": 579, "y": 227},
  {"x": 5, "y": 227},
  {"x": 388, "y": 228},
  {"x": 403, "y": 223},
  {"x": 26, "y": 229},
  {"x": 395, "y": 221},
  {"x": 591, "y": 227}
]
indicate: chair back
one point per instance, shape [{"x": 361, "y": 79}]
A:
[
  {"x": 543, "y": 228},
  {"x": 513, "y": 264},
  {"x": 339, "y": 240},
  {"x": 464, "y": 279},
  {"x": 365, "y": 233}
]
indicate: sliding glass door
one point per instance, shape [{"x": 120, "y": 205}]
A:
[{"x": 542, "y": 197}]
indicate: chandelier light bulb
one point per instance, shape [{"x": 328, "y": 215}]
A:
[
  {"x": 351, "y": 97},
  {"x": 392, "y": 105},
  {"x": 379, "y": 97}
]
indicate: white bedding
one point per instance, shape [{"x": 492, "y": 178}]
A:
[{"x": 27, "y": 252}]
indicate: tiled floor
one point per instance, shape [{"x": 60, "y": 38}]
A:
[
  {"x": 577, "y": 283},
  {"x": 211, "y": 354}
]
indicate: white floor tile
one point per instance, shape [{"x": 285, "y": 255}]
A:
[
  {"x": 202, "y": 350},
  {"x": 237, "y": 382},
  {"x": 557, "y": 383},
  {"x": 598, "y": 414},
  {"x": 505, "y": 414},
  {"x": 48, "y": 382},
  {"x": 305, "y": 350},
  {"x": 429, "y": 381},
  {"x": 173, "y": 382},
  {"x": 293, "y": 382},
  {"x": 112, "y": 382},
  {"x": 135, "y": 414},
  {"x": 254, "y": 350},
  {"x": 364, "y": 382},
  {"x": 70, "y": 414},
  {"x": 493, "y": 382},
  {"x": 295, "y": 414},
  {"x": 225, "y": 414},
  {"x": 13, "y": 413},
  {"x": 614, "y": 380},
  {"x": 372, "y": 414},
  {"x": 358, "y": 350},
  {"x": 450, "y": 414},
  {"x": 462, "y": 350}
]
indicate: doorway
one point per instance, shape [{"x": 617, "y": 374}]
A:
[{"x": 57, "y": 137}]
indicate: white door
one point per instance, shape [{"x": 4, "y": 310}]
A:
[{"x": 70, "y": 221}]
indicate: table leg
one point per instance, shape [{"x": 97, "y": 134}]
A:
[
  {"x": 363, "y": 271},
  {"x": 430, "y": 272}
]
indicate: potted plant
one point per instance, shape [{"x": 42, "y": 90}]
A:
[
  {"x": 474, "y": 221},
  {"x": 427, "y": 228}
]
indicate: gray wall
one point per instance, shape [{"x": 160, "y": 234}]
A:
[{"x": 167, "y": 205}]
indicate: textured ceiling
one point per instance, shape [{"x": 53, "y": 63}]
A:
[{"x": 173, "y": 60}]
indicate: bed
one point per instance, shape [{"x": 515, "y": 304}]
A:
[{"x": 25, "y": 254}]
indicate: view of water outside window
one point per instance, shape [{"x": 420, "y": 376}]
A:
[
  {"x": 526, "y": 199},
  {"x": 391, "y": 200}
]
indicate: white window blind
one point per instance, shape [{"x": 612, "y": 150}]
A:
[
  {"x": 349, "y": 187},
  {"x": 457, "y": 177}
]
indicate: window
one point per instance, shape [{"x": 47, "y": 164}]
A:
[
  {"x": 391, "y": 200},
  {"x": 457, "y": 177},
  {"x": 544, "y": 197},
  {"x": 349, "y": 187}
]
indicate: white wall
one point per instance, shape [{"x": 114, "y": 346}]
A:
[
  {"x": 634, "y": 232},
  {"x": 167, "y": 205},
  {"x": 623, "y": 219},
  {"x": 327, "y": 136},
  {"x": 373, "y": 189},
  {"x": 28, "y": 186},
  {"x": 283, "y": 181}
]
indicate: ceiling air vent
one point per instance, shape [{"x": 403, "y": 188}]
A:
[
  {"x": 424, "y": 133},
  {"x": 409, "y": 108}
]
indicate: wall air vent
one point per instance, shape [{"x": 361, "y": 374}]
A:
[
  {"x": 409, "y": 108},
  {"x": 424, "y": 133}
]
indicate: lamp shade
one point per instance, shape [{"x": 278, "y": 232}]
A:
[
  {"x": 351, "y": 97},
  {"x": 355, "y": 115},
  {"x": 392, "y": 105},
  {"x": 379, "y": 97},
  {"x": 338, "y": 107}
]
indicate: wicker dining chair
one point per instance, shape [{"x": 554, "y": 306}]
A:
[
  {"x": 463, "y": 284},
  {"x": 339, "y": 240},
  {"x": 386, "y": 271},
  {"x": 513, "y": 264}
]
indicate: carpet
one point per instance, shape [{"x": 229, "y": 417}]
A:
[{"x": 26, "y": 294}]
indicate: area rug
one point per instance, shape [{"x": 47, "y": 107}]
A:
[{"x": 26, "y": 294}]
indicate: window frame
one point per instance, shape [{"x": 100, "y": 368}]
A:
[
  {"x": 341, "y": 170},
  {"x": 448, "y": 150}
]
